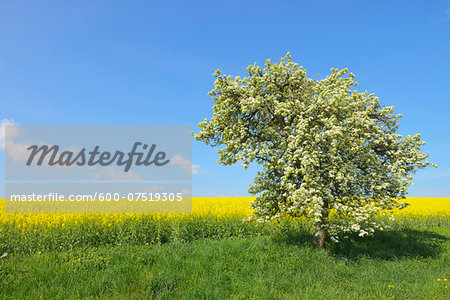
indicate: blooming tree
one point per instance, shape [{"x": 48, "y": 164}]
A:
[{"x": 329, "y": 154}]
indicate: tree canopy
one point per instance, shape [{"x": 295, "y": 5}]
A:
[{"x": 328, "y": 153}]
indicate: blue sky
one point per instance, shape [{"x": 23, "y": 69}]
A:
[{"x": 145, "y": 62}]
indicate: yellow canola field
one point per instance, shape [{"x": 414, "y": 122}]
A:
[
  {"x": 220, "y": 207},
  {"x": 426, "y": 207}
]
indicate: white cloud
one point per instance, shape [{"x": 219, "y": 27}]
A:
[
  {"x": 205, "y": 193},
  {"x": 185, "y": 164},
  {"x": 112, "y": 174},
  {"x": 186, "y": 193},
  {"x": 3, "y": 124},
  {"x": 17, "y": 151},
  {"x": 155, "y": 189}
]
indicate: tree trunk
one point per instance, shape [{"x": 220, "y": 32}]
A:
[
  {"x": 321, "y": 233},
  {"x": 319, "y": 238}
]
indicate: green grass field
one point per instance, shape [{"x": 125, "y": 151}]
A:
[{"x": 208, "y": 258}]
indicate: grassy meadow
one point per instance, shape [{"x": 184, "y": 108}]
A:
[{"x": 217, "y": 253}]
